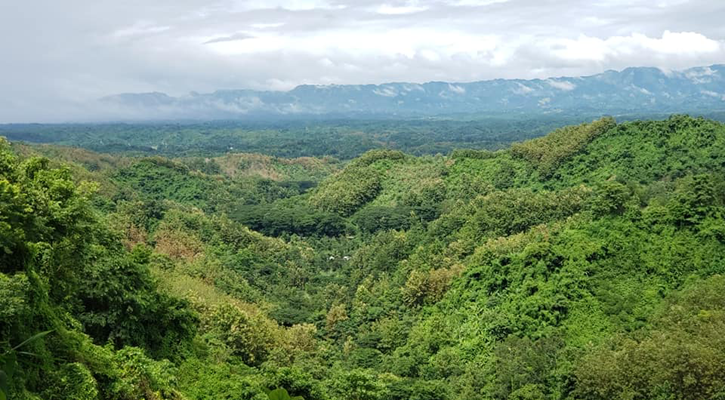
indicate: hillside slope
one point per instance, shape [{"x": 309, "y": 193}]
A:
[{"x": 586, "y": 264}]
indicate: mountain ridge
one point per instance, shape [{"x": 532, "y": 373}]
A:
[{"x": 634, "y": 89}]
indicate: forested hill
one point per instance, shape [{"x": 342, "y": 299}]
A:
[
  {"x": 585, "y": 264},
  {"x": 343, "y": 139},
  {"x": 633, "y": 90}
]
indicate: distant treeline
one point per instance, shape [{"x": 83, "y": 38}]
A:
[{"x": 343, "y": 139}]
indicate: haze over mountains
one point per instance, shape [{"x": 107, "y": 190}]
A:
[{"x": 633, "y": 90}]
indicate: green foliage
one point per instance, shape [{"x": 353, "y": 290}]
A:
[
  {"x": 609, "y": 197},
  {"x": 427, "y": 287},
  {"x": 72, "y": 381},
  {"x": 281, "y": 394},
  {"x": 345, "y": 139},
  {"x": 142, "y": 377},
  {"x": 160, "y": 179},
  {"x": 548, "y": 152},
  {"x": 248, "y": 336},
  {"x": 13, "y": 295},
  {"x": 372, "y": 219},
  {"x": 300, "y": 220},
  {"x": 372, "y": 156},
  {"x": 352, "y": 188},
  {"x": 120, "y": 304},
  {"x": 523, "y": 368},
  {"x": 470, "y": 153},
  {"x": 585, "y": 264},
  {"x": 505, "y": 213},
  {"x": 648, "y": 151},
  {"x": 680, "y": 357},
  {"x": 53, "y": 245},
  {"x": 358, "y": 385},
  {"x": 9, "y": 360}
]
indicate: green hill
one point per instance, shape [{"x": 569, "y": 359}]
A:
[{"x": 586, "y": 264}]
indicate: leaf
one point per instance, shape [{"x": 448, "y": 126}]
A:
[
  {"x": 4, "y": 382},
  {"x": 7, "y": 367},
  {"x": 278, "y": 394},
  {"x": 33, "y": 338},
  {"x": 25, "y": 353},
  {"x": 281, "y": 394}
]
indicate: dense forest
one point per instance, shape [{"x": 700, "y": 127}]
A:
[
  {"x": 583, "y": 264},
  {"x": 340, "y": 138}
]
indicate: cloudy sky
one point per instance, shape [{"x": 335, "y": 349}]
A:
[{"x": 58, "y": 54}]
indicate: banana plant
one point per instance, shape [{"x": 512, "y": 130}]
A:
[
  {"x": 281, "y": 394},
  {"x": 8, "y": 361}
]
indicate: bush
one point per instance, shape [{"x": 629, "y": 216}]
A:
[
  {"x": 682, "y": 357},
  {"x": 548, "y": 152},
  {"x": 373, "y": 219},
  {"x": 249, "y": 336}
]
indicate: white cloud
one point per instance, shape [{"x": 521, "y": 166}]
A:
[
  {"x": 140, "y": 28},
  {"x": 522, "y": 89},
  {"x": 478, "y": 3},
  {"x": 292, "y": 5},
  {"x": 561, "y": 85},
  {"x": 267, "y": 25},
  {"x": 456, "y": 89},
  {"x": 413, "y": 87},
  {"x": 701, "y": 75},
  {"x": 410, "y": 8},
  {"x": 671, "y": 44},
  {"x": 428, "y": 44},
  {"x": 641, "y": 90},
  {"x": 713, "y": 94},
  {"x": 386, "y": 92}
]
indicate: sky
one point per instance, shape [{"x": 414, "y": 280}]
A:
[{"x": 56, "y": 55}]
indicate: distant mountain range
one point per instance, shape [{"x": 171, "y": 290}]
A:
[{"x": 633, "y": 90}]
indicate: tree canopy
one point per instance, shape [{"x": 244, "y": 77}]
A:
[{"x": 586, "y": 264}]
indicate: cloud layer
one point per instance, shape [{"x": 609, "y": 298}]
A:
[{"x": 59, "y": 55}]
